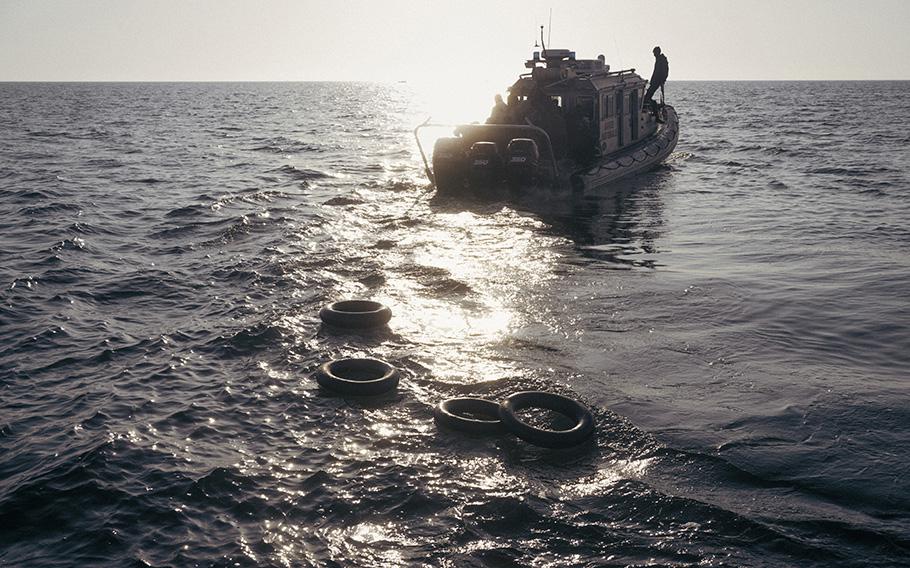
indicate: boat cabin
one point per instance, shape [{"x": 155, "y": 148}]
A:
[{"x": 601, "y": 109}]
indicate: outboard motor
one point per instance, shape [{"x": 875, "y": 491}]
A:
[
  {"x": 523, "y": 161},
  {"x": 449, "y": 165},
  {"x": 484, "y": 164}
]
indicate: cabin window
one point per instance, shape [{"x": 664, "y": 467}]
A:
[
  {"x": 556, "y": 100},
  {"x": 619, "y": 104},
  {"x": 607, "y": 111},
  {"x": 586, "y": 106}
]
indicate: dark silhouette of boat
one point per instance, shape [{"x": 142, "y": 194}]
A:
[{"x": 569, "y": 124}]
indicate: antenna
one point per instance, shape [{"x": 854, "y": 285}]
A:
[{"x": 543, "y": 45}]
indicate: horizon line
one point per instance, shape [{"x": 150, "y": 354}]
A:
[{"x": 400, "y": 81}]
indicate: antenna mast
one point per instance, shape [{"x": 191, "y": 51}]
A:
[{"x": 542, "y": 44}]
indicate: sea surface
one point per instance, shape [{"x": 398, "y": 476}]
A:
[{"x": 738, "y": 321}]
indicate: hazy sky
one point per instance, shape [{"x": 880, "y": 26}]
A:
[{"x": 436, "y": 41}]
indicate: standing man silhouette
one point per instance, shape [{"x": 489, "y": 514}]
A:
[
  {"x": 500, "y": 112},
  {"x": 659, "y": 76}
]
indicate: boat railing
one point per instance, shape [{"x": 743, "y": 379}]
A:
[{"x": 426, "y": 166}]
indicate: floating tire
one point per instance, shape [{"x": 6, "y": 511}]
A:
[
  {"x": 356, "y": 314},
  {"x": 584, "y": 421},
  {"x": 357, "y": 377},
  {"x": 459, "y": 414}
]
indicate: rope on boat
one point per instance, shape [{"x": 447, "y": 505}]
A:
[{"x": 661, "y": 143}]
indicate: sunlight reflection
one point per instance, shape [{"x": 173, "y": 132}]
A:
[
  {"x": 384, "y": 429},
  {"x": 607, "y": 476},
  {"x": 368, "y": 533},
  {"x": 462, "y": 282},
  {"x": 284, "y": 538},
  {"x": 459, "y": 282},
  {"x": 488, "y": 474},
  {"x": 362, "y": 542}
]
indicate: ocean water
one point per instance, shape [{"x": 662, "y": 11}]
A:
[{"x": 737, "y": 320}]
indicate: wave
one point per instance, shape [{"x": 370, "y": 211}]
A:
[
  {"x": 35, "y": 193},
  {"x": 41, "y": 210},
  {"x": 437, "y": 281},
  {"x": 300, "y": 174},
  {"x": 105, "y": 163},
  {"x": 249, "y": 340},
  {"x": 851, "y": 172},
  {"x": 189, "y": 211},
  {"x": 285, "y": 145},
  {"x": 343, "y": 201},
  {"x": 103, "y": 354}
]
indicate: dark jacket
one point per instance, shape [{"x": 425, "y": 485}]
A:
[{"x": 661, "y": 70}]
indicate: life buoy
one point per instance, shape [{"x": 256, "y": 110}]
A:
[
  {"x": 360, "y": 314},
  {"x": 357, "y": 377},
  {"x": 459, "y": 414},
  {"x": 584, "y": 421}
]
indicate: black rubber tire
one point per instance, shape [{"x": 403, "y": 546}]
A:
[
  {"x": 584, "y": 421},
  {"x": 450, "y": 414},
  {"x": 356, "y": 314},
  {"x": 357, "y": 377}
]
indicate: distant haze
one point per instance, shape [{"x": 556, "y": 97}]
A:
[{"x": 443, "y": 42}]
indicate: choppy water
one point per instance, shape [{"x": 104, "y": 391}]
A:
[{"x": 737, "y": 320}]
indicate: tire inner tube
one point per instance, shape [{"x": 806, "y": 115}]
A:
[
  {"x": 357, "y": 377},
  {"x": 584, "y": 421},
  {"x": 471, "y": 415},
  {"x": 356, "y": 314}
]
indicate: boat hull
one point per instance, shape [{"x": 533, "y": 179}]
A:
[
  {"x": 458, "y": 179},
  {"x": 639, "y": 158}
]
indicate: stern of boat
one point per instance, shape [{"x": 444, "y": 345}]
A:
[{"x": 482, "y": 158}]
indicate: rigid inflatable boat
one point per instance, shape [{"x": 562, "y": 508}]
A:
[{"x": 569, "y": 124}]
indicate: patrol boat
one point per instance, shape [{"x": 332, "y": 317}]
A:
[{"x": 569, "y": 124}]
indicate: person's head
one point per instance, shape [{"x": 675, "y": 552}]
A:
[
  {"x": 498, "y": 99},
  {"x": 656, "y": 51}
]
